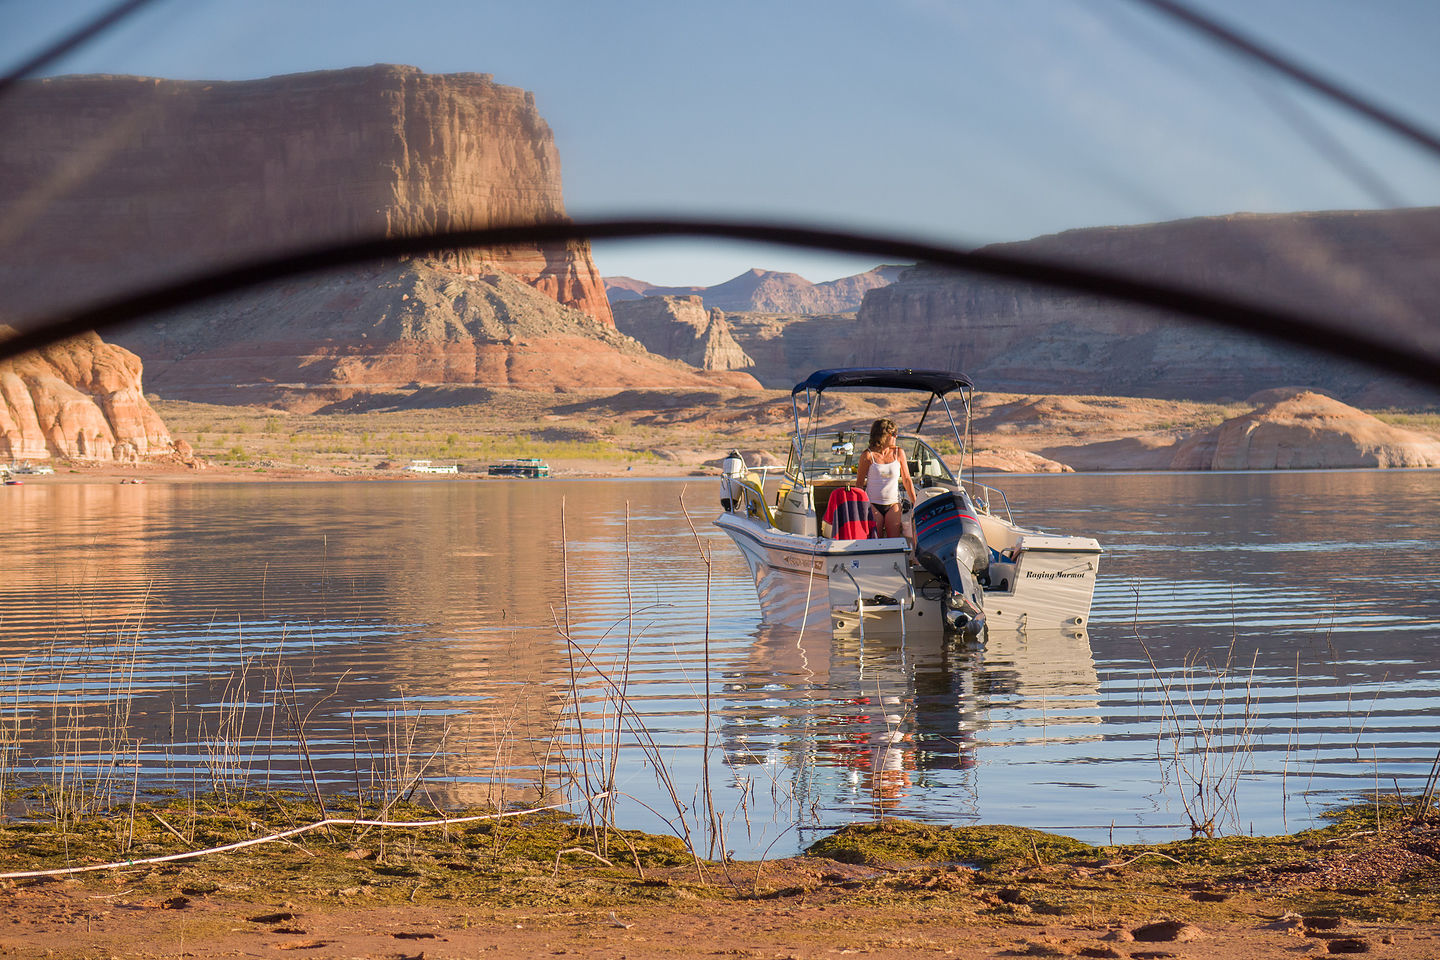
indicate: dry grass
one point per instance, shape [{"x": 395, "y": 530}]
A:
[{"x": 470, "y": 435}]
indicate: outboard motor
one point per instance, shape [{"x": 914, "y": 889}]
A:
[
  {"x": 732, "y": 470},
  {"x": 950, "y": 544}
]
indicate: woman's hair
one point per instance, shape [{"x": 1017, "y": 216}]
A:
[{"x": 879, "y": 428}]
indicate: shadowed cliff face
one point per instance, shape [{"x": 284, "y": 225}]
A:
[
  {"x": 1377, "y": 269},
  {"x": 110, "y": 182},
  {"x": 80, "y": 399},
  {"x": 681, "y": 328}
]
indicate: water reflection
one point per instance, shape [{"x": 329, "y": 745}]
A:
[
  {"x": 888, "y": 712},
  {"x": 383, "y": 637}
]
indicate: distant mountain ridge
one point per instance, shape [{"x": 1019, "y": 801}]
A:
[{"x": 767, "y": 291}]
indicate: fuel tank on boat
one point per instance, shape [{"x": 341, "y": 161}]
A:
[{"x": 950, "y": 544}]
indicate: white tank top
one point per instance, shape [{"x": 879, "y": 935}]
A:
[{"x": 882, "y": 482}]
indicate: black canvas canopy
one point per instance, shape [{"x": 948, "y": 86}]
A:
[{"x": 939, "y": 382}]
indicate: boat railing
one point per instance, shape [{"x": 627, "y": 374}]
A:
[
  {"x": 752, "y": 500},
  {"x": 984, "y": 496}
]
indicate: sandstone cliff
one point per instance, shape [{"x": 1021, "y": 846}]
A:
[
  {"x": 80, "y": 399},
  {"x": 787, "y": 348},
  {"x": 109, "y": 182},
  {"x": 1299, "y": 429},
  {"x": 682, "y": 329},
  {"x": 1381, "y": 269},
  {"x": 767, "y": 291},
  {"x": 396, "y": 329}
]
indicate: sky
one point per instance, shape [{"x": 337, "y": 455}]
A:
[{"x": 960, "y": 122}]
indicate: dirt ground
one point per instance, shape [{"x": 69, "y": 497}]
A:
[{"x": 886, "y": 890}]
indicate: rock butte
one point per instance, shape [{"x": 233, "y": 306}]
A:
[{"x": 109, "y": 182}]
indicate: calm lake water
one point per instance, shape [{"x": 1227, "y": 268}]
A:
[{"x": 1271, "y": 637}]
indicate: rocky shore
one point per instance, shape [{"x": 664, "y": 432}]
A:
[{"x": 548, "y": 885}]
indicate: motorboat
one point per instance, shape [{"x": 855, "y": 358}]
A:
[
  {"x": 425, "y": 466},
  {"x": 32, "y": 469},
  {"x": 963, "y": 561},
  {"x": 532, "y": 468}
]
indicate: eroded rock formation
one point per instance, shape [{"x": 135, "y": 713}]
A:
[
  {"x": 1300, "y": 429},
  {"x": 80, "y": 399},
  {"x": 109, "y": 182},
  {"x": 682, "y": 329},
  {"x": 397, "y": 329}
]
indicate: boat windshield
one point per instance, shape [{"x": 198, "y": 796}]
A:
[{"x": 841, "y": 458}]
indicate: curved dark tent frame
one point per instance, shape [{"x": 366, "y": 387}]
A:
[
  {"x": 1303, "y": 330},
  {"x": 1323, "y": 334}
]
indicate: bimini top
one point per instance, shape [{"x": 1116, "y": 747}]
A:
[{"x": 939, "y": 382}]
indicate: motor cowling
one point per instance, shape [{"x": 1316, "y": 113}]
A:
[
  {"x": 950, "y": 544},
  {"x": 732, "y": 471}
]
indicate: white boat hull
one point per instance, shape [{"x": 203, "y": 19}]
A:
[{"x": 1048, "y": 582}]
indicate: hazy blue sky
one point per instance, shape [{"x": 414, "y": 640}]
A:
[{"x": 962, "y": 121}]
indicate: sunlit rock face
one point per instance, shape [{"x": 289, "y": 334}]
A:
[
  {"x": 1372, "y": 270},
  {"x": 396, "y": 329},
  {"x": 683, "y": 329},
  {"x": 1300, "y": 429},
  {"x": 80, "y": 399},
  {"x": 111, "y": 182}
]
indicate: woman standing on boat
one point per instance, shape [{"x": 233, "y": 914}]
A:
[{"x": 881, "y": 472}]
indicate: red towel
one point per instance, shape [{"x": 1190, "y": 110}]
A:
[{"x": 848, "y": 514}]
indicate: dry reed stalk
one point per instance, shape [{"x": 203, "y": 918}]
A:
[
  {"x": 574, "y": 680},
  {"x": 712, "y": 816},
  {"x": 1427, "y": 795},
  {"x": 1208, "y": 771},
  {"x": 621, "y": 693},
  {"x": 652, "y": 752}
]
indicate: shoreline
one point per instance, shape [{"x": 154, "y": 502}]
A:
[
  {"x": 169, "y": 472},
  {"x": 539, "y": 884},
  {"x": 173, "y": 473}
]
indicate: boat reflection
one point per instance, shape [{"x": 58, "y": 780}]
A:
[{"x": 864, "y": 721}]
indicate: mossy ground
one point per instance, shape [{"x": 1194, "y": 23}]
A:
[{"x": 555, "y": 860}]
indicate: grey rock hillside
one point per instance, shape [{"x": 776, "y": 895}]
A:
[
  {"x": 682, "y": 329},
  {"x": 1377, "y": 269}
]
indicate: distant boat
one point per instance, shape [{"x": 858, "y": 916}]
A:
[
  {"x": 425, "y": 466},
  {"x": 33, "y": 469},
  {"x": 531, "y": 467}
]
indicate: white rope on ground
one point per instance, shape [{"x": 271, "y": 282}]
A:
[{"x": 328, "y": 822}]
